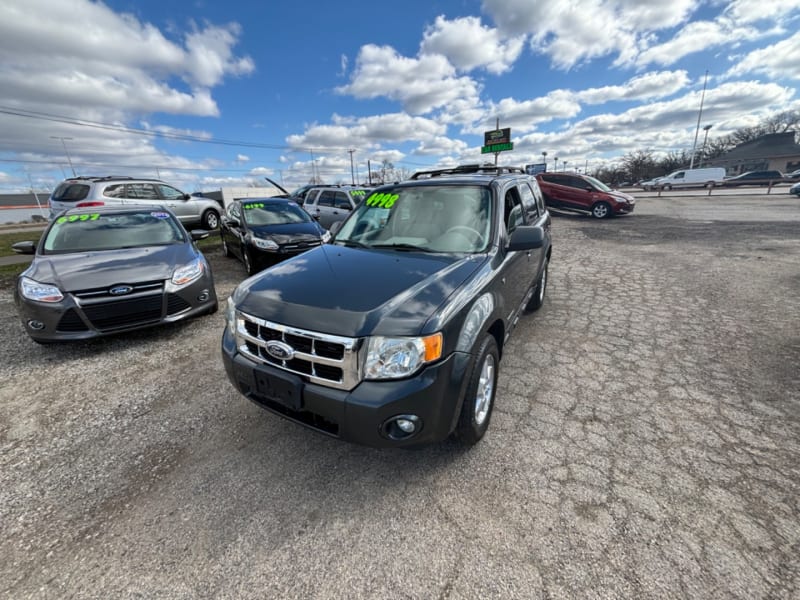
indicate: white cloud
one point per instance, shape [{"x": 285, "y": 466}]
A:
[
  {"x": 643, "y": 87},
  {"x": 752, "y": 11},
  {"x": 242, "y": 158},
  {"x": 468, "y": 44},
  {"x": 526, "y": 114},
  {"x": 420, "y": 84},
  {"x": 778, "y": 61}
]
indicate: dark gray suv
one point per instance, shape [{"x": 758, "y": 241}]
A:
[{"x": 79, "y": 192}]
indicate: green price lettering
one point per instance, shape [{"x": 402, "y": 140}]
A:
[
  {"x": 254, "y": 205},
  {"x": 382, "y": 200}
]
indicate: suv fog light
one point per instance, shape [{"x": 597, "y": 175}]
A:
[
  {"x": 402, "y": 427},
  {"x": 35, "y": 325}
]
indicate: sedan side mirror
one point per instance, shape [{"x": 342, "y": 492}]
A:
[
  {"x": 26, "y": 247},
  {"x": 231, "y": 222},
  {"x": 198, "y": 234}
]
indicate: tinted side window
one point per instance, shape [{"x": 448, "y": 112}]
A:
[
  {"x": 342, "y": 201},
  {"x": 116, "y": 190},
  {"x": 142, "y": 191},
  {"x": 170, "y": 193},
  {"x": 576, "y": 182},
  {"x": 529, "y": 202},
  {"x": 513, "y": 210},
  {"x": 326, "y": 198}
]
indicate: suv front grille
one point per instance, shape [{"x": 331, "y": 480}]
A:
[{"x": 321, "y": 358}]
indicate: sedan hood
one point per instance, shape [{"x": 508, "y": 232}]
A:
[
  {"x": 283, "y": 234},
  {"x": 355, "y": 292},
  {"x": 90, "y": 270}
]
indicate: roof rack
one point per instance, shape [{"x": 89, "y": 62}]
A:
[{"x": 466, "y": 169}]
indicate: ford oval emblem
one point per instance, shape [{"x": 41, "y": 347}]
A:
[
  {"x": 120, "y": 290},
  {"x": 280, "y": 350}
]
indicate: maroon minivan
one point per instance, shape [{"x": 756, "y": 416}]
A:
[{"x": 572, "y": 191}]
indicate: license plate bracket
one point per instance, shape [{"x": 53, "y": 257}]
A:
[{"x": 283, "y": 388}]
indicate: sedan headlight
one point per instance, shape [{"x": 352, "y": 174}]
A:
[
  {"x": 393, "y": 358},
  {"x": 264, "y": 244},
  {"x": 188, "y": 273},
  {"x": 41, "y": 292}
]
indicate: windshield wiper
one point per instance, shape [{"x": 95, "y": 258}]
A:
[
  {"x": 351, "y": 243},
  {"x": 403, "y": 247}
]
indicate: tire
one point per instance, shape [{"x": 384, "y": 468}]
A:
[
  {"x": 248, "y": 262},
  {"x": 476, "y": 411},
  {"x": 709, "y": 185},
  {"x": 225, "y": 249},
  {"x": 210, "y": 219},
  {"x": 667, "y": 188},
  {"x": 601, "y": 210},
  {"x": 536, "y": 301}
]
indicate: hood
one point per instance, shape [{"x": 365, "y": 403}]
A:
[
  {"x": 283, "y": 234},
  {"x": 89, "y": 270},
  {"x": 355, "y": 292}
]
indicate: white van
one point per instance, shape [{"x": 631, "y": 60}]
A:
[{"x": 708, "y": 178}]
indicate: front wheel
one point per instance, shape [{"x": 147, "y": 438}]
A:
[
  {"x": 536, "y": 301},
  {"x": 601, "y": 210},
  {"x": 210, "y": 219},
  {"x": 476, "y": 411},
  {"x": 225, "y": 248},
  {"x": 249, "y": 266}
]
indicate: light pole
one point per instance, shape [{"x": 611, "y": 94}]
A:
[
  {"x": 544, "y": 160},
  {"x": 699, "y": 115},
  {"x": 564, "y": 165},
  {"x": 69, "y": 160},
  {"x": 703, "y": 149},
  {"x": 555, "y": 168},
  {"x": 352, "y": 174}
]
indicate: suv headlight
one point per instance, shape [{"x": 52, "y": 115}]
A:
[
  {"x": 264, "y": 244},
  {"x": 41, "y": 292},
  {"x": 230, "y": 315},
  {"x": 393, "y": 358},
  {"x": 188, "y": 273}
]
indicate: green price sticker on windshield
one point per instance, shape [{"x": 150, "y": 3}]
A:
[
  {"x": 382, "y": 200},
  {"x": 253, "y": 205},
  {"x": 73, "y": 218},
  {"x": 358, "y": 192}
]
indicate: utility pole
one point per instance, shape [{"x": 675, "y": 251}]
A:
[
  {"x": 69, "y": 160},
  {"x": 496, "y": 128},
  {"x": 352, "y": 174},
  {"x": 699, "y": 115}
]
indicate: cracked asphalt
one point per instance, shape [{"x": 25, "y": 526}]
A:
[{"x": 644, "y": 444}]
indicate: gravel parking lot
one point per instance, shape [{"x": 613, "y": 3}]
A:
[{"x": 645, "y": 444}]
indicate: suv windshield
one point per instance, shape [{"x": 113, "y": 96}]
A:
[
  {"x": 447, "y": 218},
  {"x": 95, "y": 231},
  {"x": 598, "y": 184}
]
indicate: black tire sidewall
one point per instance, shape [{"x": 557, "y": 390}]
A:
[
  {"x": 535, "y": 303},
  {"x": 467, "y": 430},
  {"x": 206, "y": 216}
]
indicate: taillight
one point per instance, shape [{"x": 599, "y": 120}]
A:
[{"x": 93, "y": 203}]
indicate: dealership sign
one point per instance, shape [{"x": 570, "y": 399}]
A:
[{"x": 497, "y": 140}]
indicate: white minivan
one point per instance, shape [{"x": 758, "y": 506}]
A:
[{"x": 708, "y": 177}]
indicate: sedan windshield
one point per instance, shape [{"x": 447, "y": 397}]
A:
[
  {"x": 110, "y": 231},
  {"x": 261, "y": 213},
  {"x": 445, "y": 218}
]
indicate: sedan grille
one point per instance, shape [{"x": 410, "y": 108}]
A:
[
  {"x": 319, "y": 357},
  {"x": 124, "y": 313},
  {"x": 105, "y": 292}
]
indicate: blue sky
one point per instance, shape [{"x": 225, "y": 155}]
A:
[{"x": 205, "y": 93}]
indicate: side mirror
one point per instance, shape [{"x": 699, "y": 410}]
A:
[
  {"x": 198, "y": 234},
  {"x": 526, "y": 237},
  {"x": 187, "y": 196},
  {"x": 26, "y": 247},
  {"x": 231, "y": 222}
]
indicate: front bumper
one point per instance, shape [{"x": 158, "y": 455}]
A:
[
  {"x": 624, "y": 209},
  {"x": 434, "y": 396},
  {"x": 73, "y": 319}
]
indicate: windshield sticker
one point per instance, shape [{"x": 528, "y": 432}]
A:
[
  {"x": 253, "y": 205},
  {"x": 358, "y": 193},
  {"x": 73, "y": 218},
  {"x": 160, "y": 215},
  {"x": 382, "y": 200}
]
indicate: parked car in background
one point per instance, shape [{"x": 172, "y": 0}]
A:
[
  {"x": 572, "y": 191},
  {"x": 688, "y": 178},
  {"x": 794, "y": 174},
  {"x": 332, "y": 203},
  {"x": 103, "y": 270},
  {"x": 264, "y": 231},
  {"x": 79, "y": 192},
  {"x": 755, "y": 178},
  {"x": 795, "y": 189}
]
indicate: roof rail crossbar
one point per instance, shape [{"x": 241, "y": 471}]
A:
[{"x": 466, "y": 169}]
